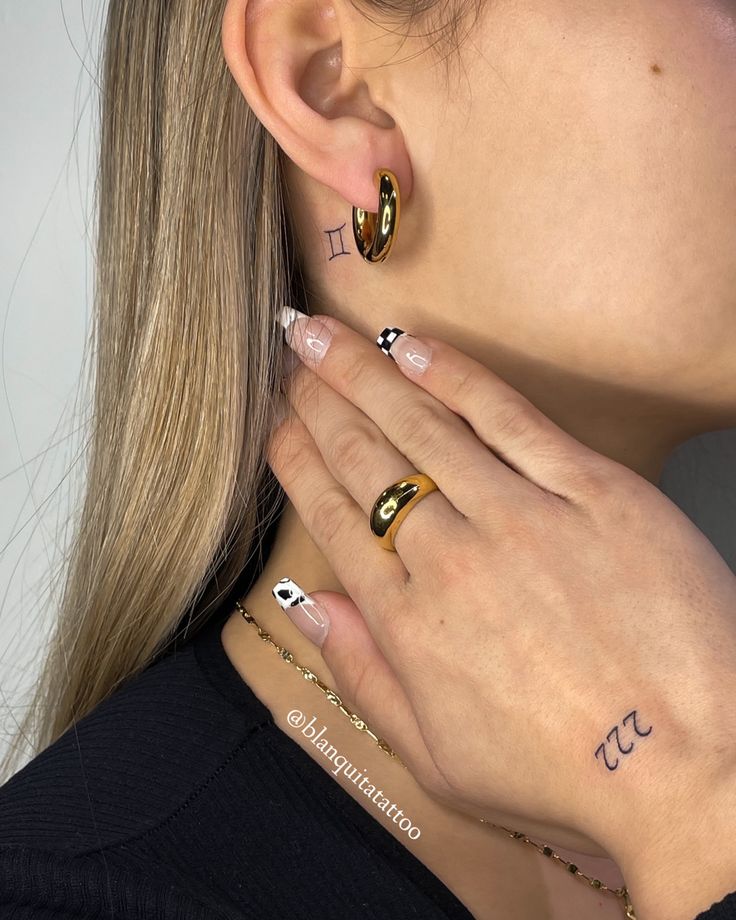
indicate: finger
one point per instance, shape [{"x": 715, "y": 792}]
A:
[
  {"x": 362, "y": 459},
  {"x": 428, "y": 433},
  {"x": 334, "y": 521},
  {"x": 368, "y": 685},
  {"x": 516, "y": 430}
]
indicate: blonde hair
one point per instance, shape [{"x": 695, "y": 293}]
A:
[{"x": 194, "y": 255}]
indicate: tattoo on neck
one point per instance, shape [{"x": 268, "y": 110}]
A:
[
  {"x": 614, "y": 738},
  {"x": 337, "y": 244}
]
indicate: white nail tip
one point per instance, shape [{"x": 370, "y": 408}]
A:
[{"x": 287, "y": 315}]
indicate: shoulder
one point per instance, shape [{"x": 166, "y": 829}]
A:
[
  {"x": 43, "y": 885},
  {"x": 130, "y": 762}
]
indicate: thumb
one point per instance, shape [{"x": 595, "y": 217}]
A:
[{"x": 363, "y": 678}]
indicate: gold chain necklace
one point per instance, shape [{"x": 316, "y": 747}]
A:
[{"x": 360, "y": 724}]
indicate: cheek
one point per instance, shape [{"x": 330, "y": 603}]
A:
[{"x": 609, "y": 190}]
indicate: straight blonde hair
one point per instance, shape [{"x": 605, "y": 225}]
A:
[{"x": 194, "y": 255}]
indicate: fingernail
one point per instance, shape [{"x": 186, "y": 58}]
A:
[
  {"x": 409, "y": 352},
  {"x": 282, "y": 408},
  {"x": 309, "y": 337},
  {"x": 287, "y": 315},
  {"x": 288, "y": 362},
  {"x": 307, "y": 614}
]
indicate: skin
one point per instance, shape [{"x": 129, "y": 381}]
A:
[
  {"x": 580, "y": 183},
  {"x": 568, "y": 202},
  {"x": 558, "y": 573}
]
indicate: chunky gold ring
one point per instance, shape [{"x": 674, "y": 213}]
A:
[{"x": 394, "y": 503}]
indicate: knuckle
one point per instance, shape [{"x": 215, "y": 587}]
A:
[
  {"x": 448, "y": 559},
  {"x": 351, "y": 445},
  {"x": 285, "y": 453},
  {"x": 594, "y": 480},
  {"x": 517, "y": 421},
  {"x": 553, "y": 511},
  {"x": 424, "y": 423},
  {"x": 450, "y": 563},
  {"x": 521, "y": 534},
  {"x": 466, "y": 383},
  {"x": 354, "y": 370},
  {"x": 620, "y": 494},
  {"x": 328, "y": 514}
]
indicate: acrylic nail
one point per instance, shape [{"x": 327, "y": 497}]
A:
[
  {"x": 282, "y": 408},
  {"x": 309, "y": 337},
  {"x": 409, "y": 352},
  {"x": 289, "y": 361},
  {"x": 307, "y": 614}
]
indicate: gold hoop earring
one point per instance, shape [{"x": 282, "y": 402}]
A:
[{"x": 375, "y": 232}]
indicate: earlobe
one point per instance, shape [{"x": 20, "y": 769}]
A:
[{"x": 288, "y": 60}]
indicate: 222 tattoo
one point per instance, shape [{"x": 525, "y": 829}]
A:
[{"x": 613, "y": 736}]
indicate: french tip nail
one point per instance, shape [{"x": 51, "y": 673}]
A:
[{"x": 286, "y": 316}]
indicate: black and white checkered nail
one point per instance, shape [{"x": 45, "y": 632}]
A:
[{"x": 387, "y": 337}]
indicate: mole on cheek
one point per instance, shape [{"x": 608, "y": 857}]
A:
[{"x": 655, "y": 68}]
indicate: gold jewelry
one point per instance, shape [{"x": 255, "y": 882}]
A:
[
  {"x": 394, "y": 503},
  {"x": 361, "y": 725},
  {"x": 375, "y": 231}
]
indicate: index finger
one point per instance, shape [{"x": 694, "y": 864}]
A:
[
  {"x": 431, "y": 436},
  {"x": 519, "y": 436}
]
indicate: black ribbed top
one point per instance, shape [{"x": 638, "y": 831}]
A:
[{"x": 179, "y": 798}]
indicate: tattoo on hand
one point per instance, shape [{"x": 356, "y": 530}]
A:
[{"x": 614, "y": 737}]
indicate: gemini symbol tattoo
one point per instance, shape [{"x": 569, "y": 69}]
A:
[
  {"x": 613, "y": 735},
  {"x": 334, "y": 240}
]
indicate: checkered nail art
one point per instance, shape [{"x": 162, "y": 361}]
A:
[
  {"x": 387, "y": 337},
  {"x": 410, "y": 353}
]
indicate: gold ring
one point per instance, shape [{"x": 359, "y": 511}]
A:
[{"x": 394, "y": 503}]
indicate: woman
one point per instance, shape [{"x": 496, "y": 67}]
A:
[{"x": 567, "y": 193}]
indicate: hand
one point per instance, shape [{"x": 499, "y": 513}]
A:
[{"x": 554, "y": 639}]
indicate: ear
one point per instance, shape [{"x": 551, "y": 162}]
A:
[{"x": 288, "y": 59}]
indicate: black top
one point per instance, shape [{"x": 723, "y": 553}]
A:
[{"x": 179, "y": 798}]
